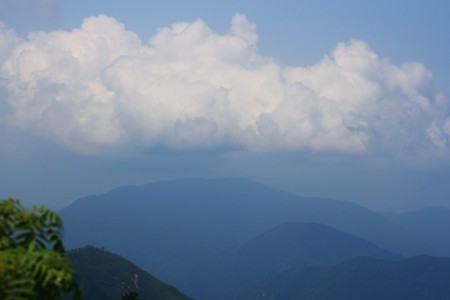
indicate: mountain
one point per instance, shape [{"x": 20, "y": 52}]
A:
[
  {"x": 104, "y": 275},
  {"x": 285, "y": 247},
  {"x": 422, "y": 277},
  {"x": 163, "y": 224},
  {"x": 430, "y": 224}
]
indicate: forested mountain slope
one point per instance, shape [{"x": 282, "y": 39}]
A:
[{"x": 104, "y": 275}]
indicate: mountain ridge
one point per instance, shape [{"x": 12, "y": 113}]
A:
[
  {"x": 417, "y": 278},
  {"x": 265, "y": 256},
  {"x": 170, "y": 226},
  {"x": 201, "y": 203}
]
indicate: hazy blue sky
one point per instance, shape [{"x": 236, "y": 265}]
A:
[{"x": 342, "y": 99}]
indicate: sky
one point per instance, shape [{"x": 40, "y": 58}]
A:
[{"x": 341, "y": 99}]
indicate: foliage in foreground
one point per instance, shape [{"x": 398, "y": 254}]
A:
[{"x": 33, "y": 261}]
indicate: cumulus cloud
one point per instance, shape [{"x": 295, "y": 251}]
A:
[{"x": 99, "y": 87}]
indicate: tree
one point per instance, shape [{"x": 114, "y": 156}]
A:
[{"x": 33, "y": 261}]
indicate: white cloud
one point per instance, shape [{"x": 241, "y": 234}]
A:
[
  {"x": 8, "y": 40},
  {"x": 99, "y": 87}
]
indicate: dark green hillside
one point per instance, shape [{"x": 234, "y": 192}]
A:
[
  {"x": 104, "y": 275},
  {"x": 277, "y": 250},
  {"x": 422, "y": 277}
]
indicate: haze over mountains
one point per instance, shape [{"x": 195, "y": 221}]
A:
[
  {"x": 214, "y": 237},
  {"x": 287, "y": 246}
]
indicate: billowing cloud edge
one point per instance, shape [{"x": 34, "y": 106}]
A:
[{"x": 99, "y": 87}]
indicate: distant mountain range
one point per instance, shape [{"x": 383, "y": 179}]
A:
[
  {"x": 364, "y": 278},
  {"x": 185, "y": 230},
  {"x": 287, "y": 246},
  {"x": 429, "y": 225},
  {"x": 104, "y": 275}
]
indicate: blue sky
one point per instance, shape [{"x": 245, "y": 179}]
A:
[{"x": 340, "y": 99}]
